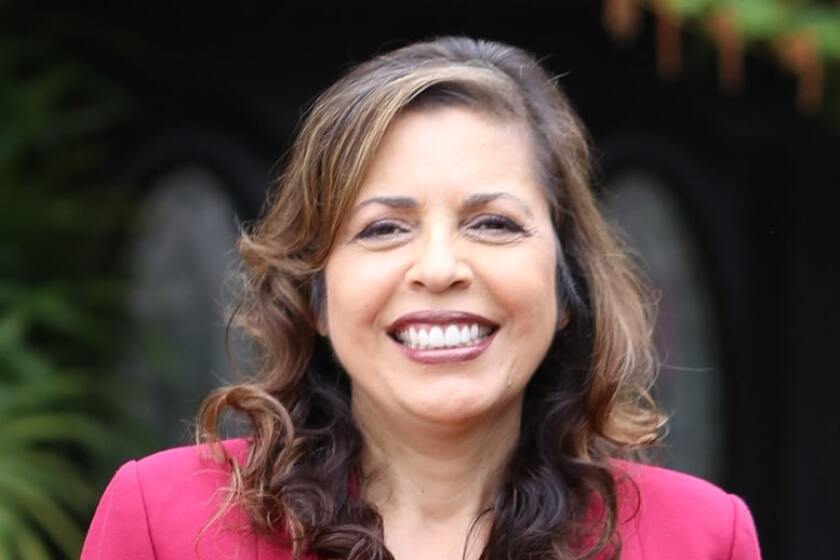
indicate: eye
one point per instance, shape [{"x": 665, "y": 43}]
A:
[
  {"x": 382, "y": 229},
  {"x": 495, "y": 224}
]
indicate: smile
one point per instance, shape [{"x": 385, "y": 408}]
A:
[
  {"x": 442, "y": 336},
  {"x": 439, "y": 336}
]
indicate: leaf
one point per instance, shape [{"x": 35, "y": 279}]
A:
[
  {"x": 49, "y": 309},
  {"x": 30, "y": 547},
  {"x": 23, "y": 397},
  {"x": 824, "y": 23},
  {"x": 60, "y": 477},
  {"x": 43, "y": 511},
  {"x": 692, "y": 8},
  {"x": 21, "y": 362},
  {"x": 762, "y": 19},
  {"x": 17, "y": 540},
  {"x": 12, "y": 329},
  {"x": 70, "y": 428}
]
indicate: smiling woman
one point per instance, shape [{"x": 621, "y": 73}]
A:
[
  {"x": 469, "y": 247},
  {"x": 455, "y": 352}
]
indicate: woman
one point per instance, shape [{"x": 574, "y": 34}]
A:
[{"x": 454, "y": 353}]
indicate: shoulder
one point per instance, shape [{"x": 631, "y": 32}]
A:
[
  {"x": 185, "y": 482},
  {"x": 668, "y": 514},
  {"x": 193, "y": 469},
  {"x": 666, "y": 489},
  {"x": 170, "y": 505}
]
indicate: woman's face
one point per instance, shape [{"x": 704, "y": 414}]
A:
[{"x": 441, "y": 288}]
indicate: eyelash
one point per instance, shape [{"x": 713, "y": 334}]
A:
[
  {"x": 496, "y": 220},
  {"x": 385, "y": 229},
  {"x": 375, "y": 229}
]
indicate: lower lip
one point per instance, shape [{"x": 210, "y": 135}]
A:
[{"x": 446, "y": 355}]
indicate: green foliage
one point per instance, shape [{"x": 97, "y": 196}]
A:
[
  {"x": 802, "y": 35},
  {"x": 762, "y": 21},
  {"x": 824, "y": 23},
  {"x": 56, "y": 290},
  {"x": 692, "y": 8}
]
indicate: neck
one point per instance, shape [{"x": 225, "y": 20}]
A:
[{"x": 428, "y": 473}]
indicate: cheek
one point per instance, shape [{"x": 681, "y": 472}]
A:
[
  {"x": 357, "y": 289},
  {"x": 525, "y": 282}
]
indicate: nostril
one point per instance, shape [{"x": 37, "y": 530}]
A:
[{"x": 439, "y": 276}]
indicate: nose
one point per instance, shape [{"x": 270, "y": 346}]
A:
[{"x": 437, "y": 265}]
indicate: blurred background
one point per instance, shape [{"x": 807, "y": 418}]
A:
[{"x": 135, "y": 138}]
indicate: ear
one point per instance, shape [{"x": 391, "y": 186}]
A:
[
  {"x": 321, "y": 324},
  {"x": 563, "y": 318},
  {"x": 318, "y": 304}
]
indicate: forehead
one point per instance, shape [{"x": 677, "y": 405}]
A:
[{"x": 447, "y": 152}]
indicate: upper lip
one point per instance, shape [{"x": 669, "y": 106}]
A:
[{"x": 440, "y": 317}]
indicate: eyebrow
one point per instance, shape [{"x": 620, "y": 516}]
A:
[
  {"x": 480, "y": 199},
  {"x": 471, "y": 202},
  {"x": 399, "y": 202}
]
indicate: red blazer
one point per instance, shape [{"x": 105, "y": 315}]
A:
[{"x": 157, "y": 508}]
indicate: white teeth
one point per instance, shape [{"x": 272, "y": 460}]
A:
[
  {"x": 464, "y": 335},
  {"x": 444, "y": 336},
  {"x": 436, "y": 337},
  {"x": 452, "y": 336},
  {"x": 423, "y": 338}
]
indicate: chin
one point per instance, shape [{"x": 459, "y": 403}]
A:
[{"x": 455, "y": 408}]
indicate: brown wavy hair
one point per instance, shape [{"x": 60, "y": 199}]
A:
[{"x": 587, "y": 402}]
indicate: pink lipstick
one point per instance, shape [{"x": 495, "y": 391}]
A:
[{"x": 442, "y": 336}]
